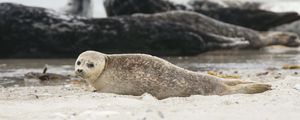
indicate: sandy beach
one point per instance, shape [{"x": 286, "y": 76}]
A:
[
  {"x": 75, "y": 101},
  {"x": 22, "y": 100},
  {"x": 78, "y": 103}
]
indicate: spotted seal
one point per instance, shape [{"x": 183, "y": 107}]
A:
[{"x": 136, "y": 74}]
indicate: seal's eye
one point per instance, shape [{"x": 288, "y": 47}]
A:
[
  {"x": 78, "y": 63},
  {"x": 90, "y": 65}
]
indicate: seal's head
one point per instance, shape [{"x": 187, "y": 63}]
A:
[
  {"x": 89, "y": 65},
  {"x": 282, "y": 38}
]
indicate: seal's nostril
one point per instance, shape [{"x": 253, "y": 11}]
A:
[
  {"x": 79, "y": 70},
  {"x": 293, "y": 37}
]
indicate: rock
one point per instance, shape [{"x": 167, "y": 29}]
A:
[
  {"x": 148, "y": 97},
  {"x": 38, "y": 32},
  {"x": 160, "y": 114},
  {"x": 33, "y": 32},
  {"x": 297, "y": 87},
  {"x": 128, "y": 7},
  {"x": 262, "y": 73}
]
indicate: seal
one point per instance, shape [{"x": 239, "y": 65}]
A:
[
  {"x": 214, "y": 27},
  {"x": 136, "y": 74}
]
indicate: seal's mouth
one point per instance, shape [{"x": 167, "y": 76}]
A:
[{"x": 79, "y": 74}]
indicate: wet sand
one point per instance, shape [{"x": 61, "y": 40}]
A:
[{"x": 75, "y": 101}]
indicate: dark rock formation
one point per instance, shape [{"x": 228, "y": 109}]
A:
[
  {"x": 243, "y": 15},
  {"x": 38, "y": 32},
  {"x": 128, "y": 7}
]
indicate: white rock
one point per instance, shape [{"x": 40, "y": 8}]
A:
[
  {"x": 67, "y": 86},
  {"x": 297, "y": 87},
  {"x": 148, "y": 97}
]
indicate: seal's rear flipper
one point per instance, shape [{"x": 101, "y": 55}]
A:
[
  {"x": 234, "y": 82},
  {"x": 251, "y": 88}
]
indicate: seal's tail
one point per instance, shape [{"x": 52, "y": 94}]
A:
[{"x": 250, "y": 88}]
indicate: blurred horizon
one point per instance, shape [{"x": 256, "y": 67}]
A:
[{"x": 99, "y": 11}]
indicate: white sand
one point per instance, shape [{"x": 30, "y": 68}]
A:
[{"x": 70, "y": 102}]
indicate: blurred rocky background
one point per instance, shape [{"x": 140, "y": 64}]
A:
[{"x": 65, "y": 28}]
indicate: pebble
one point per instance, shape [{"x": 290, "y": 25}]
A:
[
  {"x": 295, "y": 73},
  {"x": 67, "y": 86},
  {"x": 262, "y": 73},
  {"x": 277, "y": 77},
  {"x": 297, "y": 87},
  {"x": 160, "y": 114},
  {"x": 148, "y": 97}
]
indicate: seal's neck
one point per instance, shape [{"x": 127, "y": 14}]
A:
[{"x": 92, "y": 79}]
